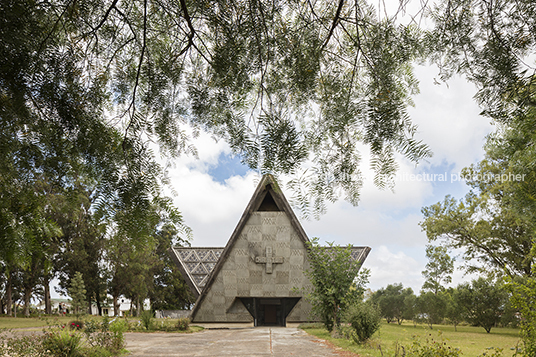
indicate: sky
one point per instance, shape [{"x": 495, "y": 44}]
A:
[{"x": 213, "y": 190}]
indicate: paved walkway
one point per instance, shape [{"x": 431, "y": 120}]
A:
[{"x": 259, "y": 341}]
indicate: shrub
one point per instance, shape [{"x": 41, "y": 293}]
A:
[
  {"x": 62, "y": 343},
  {"x": 183, "y": 324},
  {"x": 22, "y": 346},
  {"x": 431, "y": 348},
  {"x": 76, "y": 325},
  {"x": 118, "y": 327},
  {"x": 365, "y": 319},
  {"x": 146, "y": 318},
  {"x": 105, "y": 326},
  {"x": 91, "y": 326}
]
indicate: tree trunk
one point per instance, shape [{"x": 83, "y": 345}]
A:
[
  {"x": 27, "y": 297},
  {"x": 116, "y": 306},
  {"x": 48, "y": 303},
  {"x": 99, "y": 307},
  {"x": 9, "y": 297}
]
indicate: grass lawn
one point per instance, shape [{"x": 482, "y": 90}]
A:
[
  {"x": 472, "y": 341},
  {"x": 7, "y": 322}
]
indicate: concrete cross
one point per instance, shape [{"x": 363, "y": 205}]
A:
[{"x": 269, "y": 260}]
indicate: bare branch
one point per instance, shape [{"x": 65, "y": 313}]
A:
[{"x": 333, "y": 24}]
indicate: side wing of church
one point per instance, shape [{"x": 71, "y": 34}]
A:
[{"x": 260, "y": 274}]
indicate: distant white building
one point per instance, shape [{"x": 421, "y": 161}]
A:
[
  {"x": 58, "y": 305},
  {"x": 124, "y": 307},
  {"x": 62, "y": 306}
]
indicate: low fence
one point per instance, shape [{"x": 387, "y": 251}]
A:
[{"x": 172, "y": 314}]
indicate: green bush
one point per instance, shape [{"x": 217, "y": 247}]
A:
[
  {"x": 365, "y": 320},
  {"x": 146, "y": 318},
  {"x": 76, "y": 325},
  {"x": 22, "y": 346},
  {"x": 183, "y": 324},
  {"x": 91, "y": 326},
  {"x": 62, "y": 343},
  {"x": 110, "y": 340}
]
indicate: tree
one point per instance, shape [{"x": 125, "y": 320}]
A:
[
  {"x": 439, "y": 268},
  {"x": 453, "y": 312},
  {"x": 169, "y": 291},
  {"x": 431, "y": 307},
  {"x": 410, "y": 308},
  {"x": 393, "y": 301},
  {"x": 77, "y": 291},
  {"x": 82, "y": 245},
  {"x": 336, "y": 282},
  {"x": 496, "y": 239},
  {"x": 482, "y": 301}
]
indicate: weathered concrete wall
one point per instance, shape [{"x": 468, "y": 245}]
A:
[{"x": 241, "y": 276}]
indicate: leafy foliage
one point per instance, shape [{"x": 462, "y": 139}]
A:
[
  {"x": 439, "y": 268},
  {"x": 77, "y": 292},
  {"x": 146, "y": 318},
  {"x": 490, "y": 43},
  {"x": 431, "y": 307},
  {"x": 523, "y": 298},
  {"x": 183, "y": 324},
  {"x": 285, "y": 84},
  {"x": 365, "y": 320},
  {"x": 336, "y": 281},
  {"x": 483, "y": 302},
  {"x": 393, "y": 302}
]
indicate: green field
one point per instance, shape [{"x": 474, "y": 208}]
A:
[
  {"x": 28, "y": 322},
  {"x": 472, "y": 341}
]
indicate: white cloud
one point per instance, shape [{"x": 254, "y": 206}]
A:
[
  {"x": 387, "y": 268},
  {"x": 210, "y": 208},
  {"x": 448, "y": 119}
]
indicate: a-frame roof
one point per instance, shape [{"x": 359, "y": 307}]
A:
[{"x": 266, "y": 195}]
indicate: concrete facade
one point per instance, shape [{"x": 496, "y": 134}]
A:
[{"x": 242, "y": 277}]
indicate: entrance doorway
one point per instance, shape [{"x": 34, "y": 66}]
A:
[{"x": 270, "y": 311}]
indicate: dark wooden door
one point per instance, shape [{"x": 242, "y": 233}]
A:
[{"x": 270, "y": 314}]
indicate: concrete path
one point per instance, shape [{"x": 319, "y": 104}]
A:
[{"x": 259, "y": 341}]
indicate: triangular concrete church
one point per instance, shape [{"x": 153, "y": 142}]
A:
[{"x": 259, "y": 275}]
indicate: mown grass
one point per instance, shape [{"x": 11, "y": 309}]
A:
[
  {"x": 472, "y": 341},
  {"x": 7, "y": 322}
]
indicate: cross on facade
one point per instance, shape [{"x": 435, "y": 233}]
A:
[{"x": 269, "y": 259}]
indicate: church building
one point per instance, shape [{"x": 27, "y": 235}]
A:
[{"x": 260, "y": 274}]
